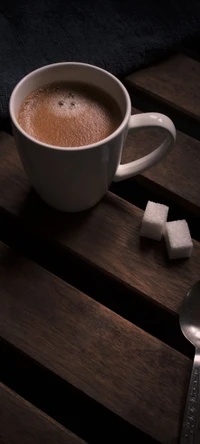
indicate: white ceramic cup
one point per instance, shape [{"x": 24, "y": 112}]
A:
[{"x": 75, "y": 179}]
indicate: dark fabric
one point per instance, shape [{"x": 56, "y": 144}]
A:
[{"x": 118, "y": 35}]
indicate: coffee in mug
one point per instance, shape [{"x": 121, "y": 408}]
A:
[{"x": 69, "y": 114}]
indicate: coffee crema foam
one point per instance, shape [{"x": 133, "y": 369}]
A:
[{"x": 69, "y": 114}]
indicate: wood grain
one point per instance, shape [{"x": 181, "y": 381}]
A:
[
  {"x": 21, "y": 422},
  {"x": 177, "y": 175},
  {"x": 114, "y": 362},
  {"x": 106, "y": 236},
  {"x": 175, "y": 81}
]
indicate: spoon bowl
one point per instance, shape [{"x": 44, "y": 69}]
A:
[{"x": 190, "y": 315}]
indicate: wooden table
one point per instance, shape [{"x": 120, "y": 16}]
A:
[{"x": 91, "y": 349}]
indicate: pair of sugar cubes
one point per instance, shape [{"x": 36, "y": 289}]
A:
[{"x": 177, "y": 235}]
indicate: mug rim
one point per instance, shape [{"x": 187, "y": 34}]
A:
[{"x": 120, "y": 128}]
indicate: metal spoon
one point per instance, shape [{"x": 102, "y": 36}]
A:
[{"x": 190, "y": 326}]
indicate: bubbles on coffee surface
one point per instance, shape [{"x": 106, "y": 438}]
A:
[
  {"x": 59, "y": 101},
  {"x": 71, "y": 105},
  {"x": 65, "y": 101}
]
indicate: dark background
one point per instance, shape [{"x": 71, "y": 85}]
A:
[{"x": 120, "y": 36}]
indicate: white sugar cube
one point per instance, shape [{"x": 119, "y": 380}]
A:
[
  {"x": 154, "y": 219},
  {"x": 178, "y": 240}
]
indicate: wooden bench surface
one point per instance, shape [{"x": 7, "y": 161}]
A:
[
  {"x": 175, "y": 81},
  {"x": 91, "y": 347},
  {"x": 107, "y": 236},
  {"x": 21, "y": 422},
  {"x": 91, "y": 316}
]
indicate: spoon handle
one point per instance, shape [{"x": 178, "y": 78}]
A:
[{"x": 191, "y": 422}]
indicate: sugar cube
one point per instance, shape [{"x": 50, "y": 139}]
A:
[
  {"x": 154, "y": 219},
  {"x": 178, "y": 240}
]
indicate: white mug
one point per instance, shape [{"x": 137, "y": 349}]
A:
[{"x": 75, "y": 179}]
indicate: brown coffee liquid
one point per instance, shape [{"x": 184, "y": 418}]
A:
[{"x": 69, "y": 114}]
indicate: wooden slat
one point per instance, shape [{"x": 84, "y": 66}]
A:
[
  {"x": 21, "y": 422},
  {"x": 107, "y": 236},
  {"x": 175, "y": 81},
  {"x": 178, "y": 174},
  {"x": 130, "y": 372}
]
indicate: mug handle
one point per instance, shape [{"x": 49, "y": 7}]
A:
[{"x": 147, "y": 120}]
